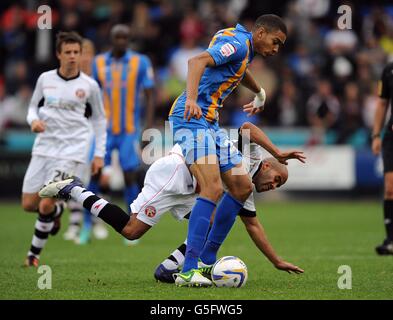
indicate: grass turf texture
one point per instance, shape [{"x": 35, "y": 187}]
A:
[{"x": 317, "y": 236}]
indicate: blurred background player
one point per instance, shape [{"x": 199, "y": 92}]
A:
[
  {"x": 58, "y": 113},
  {"x": 82, "y": 223},
  {"x": 123, "y": 74},
  {"x": 386, "y": 145}
]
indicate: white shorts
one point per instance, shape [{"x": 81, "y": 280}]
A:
[
  {"x": 168, "y": 187},
  {"x": 43, "y": 169}
]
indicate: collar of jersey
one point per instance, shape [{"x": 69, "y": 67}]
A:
[
  {"x": 240, "y": 28},
  {"x": 124, "y": 57},
  {"x": 67, "y": 79},
  {"x": 259, "y": 169}
]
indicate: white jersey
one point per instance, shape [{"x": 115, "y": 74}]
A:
[
  {"x": 169, "y": 186},
  {"x": 61, "y": 103}
]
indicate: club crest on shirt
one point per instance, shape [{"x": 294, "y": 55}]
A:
[
  {"x": 227, "y": 49},
  {"x": 80, "y": 93},
  {"x": 150, "y": 211}
]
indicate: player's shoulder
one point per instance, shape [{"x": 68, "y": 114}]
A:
[
  {"x": 49, "y": 74},
  {"x": 101, "y": 55},
  {"x": 233, "y": 39},
  {"x": 143, "y": 58},
  {"x": 91, "y": 82}
]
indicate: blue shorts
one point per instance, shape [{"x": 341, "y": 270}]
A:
[
  {"x": 199, "y": 138},
  {"x": 128, "y": 146}
]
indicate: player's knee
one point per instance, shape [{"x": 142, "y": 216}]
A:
[
  {"x": 243, "y": 192},
  {"x": 46, "y": 207},
  {"x": 213, "y": 192},
  {"x": 29, "y": 206},
  {"x": 389, "y": 193}
]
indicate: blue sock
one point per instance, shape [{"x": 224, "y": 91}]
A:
[
  {"x": 87, "y": 220},
  {"x": 198, "y": 227},
  {"x": 226, "y": 213},
  {"x": 130, "y": 194},
  {"x": 94, "y": 186}
]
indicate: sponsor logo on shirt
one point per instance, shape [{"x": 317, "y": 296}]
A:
[
  {"x": 227, "y": 49},
  {"x": 150, "y": 211}
]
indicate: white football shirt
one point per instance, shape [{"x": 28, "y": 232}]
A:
[{"x": 64, "y": 103}]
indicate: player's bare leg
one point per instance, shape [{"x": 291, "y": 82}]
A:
[
  {"x": 135, "y": 228},
  {"x": 48, "y": 222},
  {"x": 130, "y": 227},
  {"x": 207, "y": 173}
]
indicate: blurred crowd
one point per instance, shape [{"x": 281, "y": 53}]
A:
[{"x": 324, "y": 78}]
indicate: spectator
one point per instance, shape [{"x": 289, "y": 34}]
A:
[
  {"x": 323, "y": 110},
  {"x": 351, "y": 116}
]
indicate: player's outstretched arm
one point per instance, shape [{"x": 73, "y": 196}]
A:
[
  {"x": 256, "y": 135},
  {"x": 258, "y": 104},
  {"x": 258, "y": 236},
  {"x": 196, "y": 67}
]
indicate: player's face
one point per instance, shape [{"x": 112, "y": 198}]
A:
[
  {"x": 70, "y": 55},
  {"x": 269, "y": 179},
  {"x": 120, "y": 41},
  {"x": 268, "y": 43}
]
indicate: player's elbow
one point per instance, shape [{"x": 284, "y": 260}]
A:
[{"x": 246, "y": 125}]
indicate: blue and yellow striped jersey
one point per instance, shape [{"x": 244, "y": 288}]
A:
[
  {"x": 121, "y": 81},
  {"x": 232, "y": 52}
]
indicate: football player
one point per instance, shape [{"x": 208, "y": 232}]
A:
[
  {"x": 169, "y": 186},
  {"x": 58, "y": 112}
]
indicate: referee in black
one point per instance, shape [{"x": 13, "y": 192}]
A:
[{"x": 385, "y": 93}]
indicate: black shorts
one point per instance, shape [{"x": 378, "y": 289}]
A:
[{"x": 387, "y": 151}]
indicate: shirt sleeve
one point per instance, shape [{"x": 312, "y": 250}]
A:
[
  {"x": 98, "y": 120},
  {"x": 147, "y": 73},
  {"x": 38, "y": 94},
  {"x": 383, "y": 85},
  {"x": 226, "y": 49},
  {"x": 249, "y": 206}
]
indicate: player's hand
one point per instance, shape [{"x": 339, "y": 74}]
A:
[
  {"x": 288, "y": 267},
  {"x": 96, "y": 165},
  {"x": 257, "y": 105},
  {"x": 376, "y": 146},
  {"x": 192, "y": 110},
  {"x": 282, "y": 157},
  {"x": 38, "y": 126}
]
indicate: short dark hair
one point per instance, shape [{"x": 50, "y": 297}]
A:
[
  {"x": 271, "y": 22},
  {"x": 67, "y": 37}
]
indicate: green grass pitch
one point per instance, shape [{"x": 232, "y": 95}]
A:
[{"x": 317, "y": 236}]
